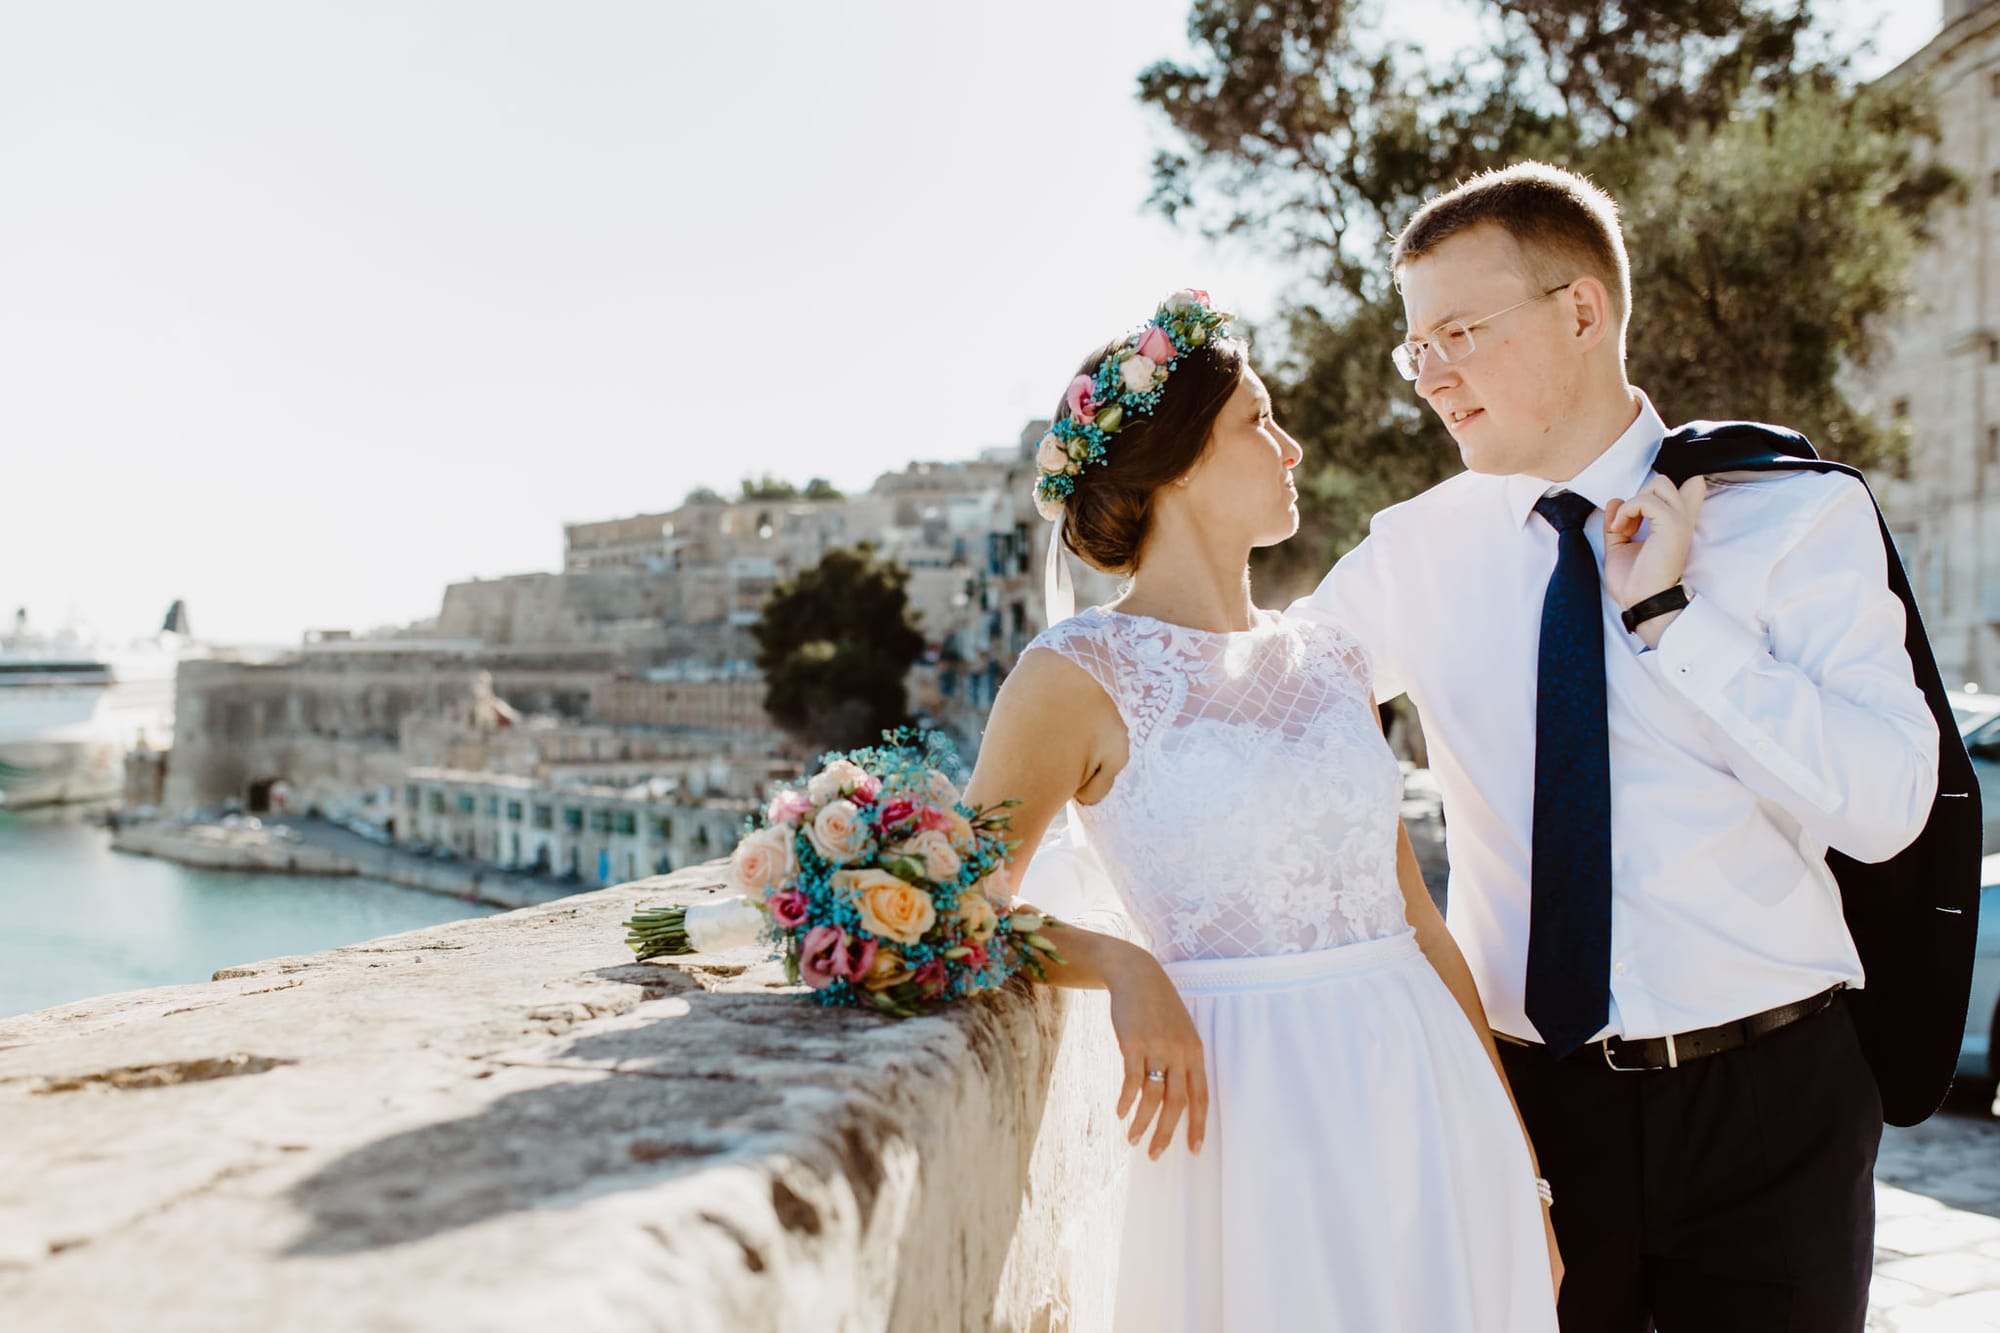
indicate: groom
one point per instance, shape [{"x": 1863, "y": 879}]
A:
[{"x": 1647, "y": 741}]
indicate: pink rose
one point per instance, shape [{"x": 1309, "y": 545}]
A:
[
  {"x": 787, "y": 808},
  {"x": 931, "y": 818},
  {"x": 897, "y": 811},
  {"x": 866, "y": 788},
  {"x": 817, "y": 957},
  {"x": 1156, "y": 346},
  {"x": 787, "y": 909},
  {"x": 931, "y": 978},
  {"x": 1198, "y": 294},
  {"x": 1082, "y": 405}
]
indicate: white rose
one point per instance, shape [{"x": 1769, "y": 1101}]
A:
[
  {"x": 1137, "y": 372},
  {"x": 763, "y": 861},
  {"x": 1184, "y": 299},
  {"x": 1050, "y": 455},
  {"x": 836, "y": 779}
]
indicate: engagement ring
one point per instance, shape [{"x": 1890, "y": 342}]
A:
[{"x": 1156, "y": 1076}]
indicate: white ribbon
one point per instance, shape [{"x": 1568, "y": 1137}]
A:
[
  {"x": 726, "y": 923},
  {"x": 1058, "y": 593}
]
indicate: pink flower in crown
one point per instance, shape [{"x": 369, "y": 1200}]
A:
[
  {"x": 1156, "y": 346},
  {"x": 788, "y": 807},
  {"x": 1082, "y": 403},
  {"x": 817, "y": 956},
  {"x": 788, "y": 909},
  {"x": 1198, "y": 295}
]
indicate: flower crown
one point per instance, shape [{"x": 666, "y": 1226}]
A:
[{"x": 1128, "y": 384}]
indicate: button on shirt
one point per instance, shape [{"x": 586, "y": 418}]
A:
[{"x": 1778, "y": 717}]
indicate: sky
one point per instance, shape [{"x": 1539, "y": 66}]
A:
[{"x": 309, "y": 309}]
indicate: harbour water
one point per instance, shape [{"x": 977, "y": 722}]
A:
[{"x": 78, "y": 919}]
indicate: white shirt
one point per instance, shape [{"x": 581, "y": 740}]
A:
[{"x": 1777, "y": 718}]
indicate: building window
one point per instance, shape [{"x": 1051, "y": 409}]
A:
[
  {"x": 1993, "y": 83},
  {"x": 465, "y": 803},
  {"x": 410, "y": 796},
  {"x": 545, "y": 816},
  {"x": 493, "y": 807},
  {"x": 437, "y": 802},
  {"x": 627, "y": 822},
  {"x": 600, "y": 821},
  {"x": 573, "y": 818},
  {"x": 663, "y": 828},
  {"x": 1993, "y": 444},
  {"x": 514, "y": 811}
]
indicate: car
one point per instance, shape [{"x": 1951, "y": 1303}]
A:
[
  {"x": 1979, "y": 1048},
  {"x": 1978, "y": 718}
]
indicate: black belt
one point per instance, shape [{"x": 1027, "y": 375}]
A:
[{"x": 1632, "y": 1057}]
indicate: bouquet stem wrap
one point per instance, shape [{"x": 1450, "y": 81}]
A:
[{"x": 726, "y": 923}]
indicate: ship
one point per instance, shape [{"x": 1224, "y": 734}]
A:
[{"x": 72, "y": 705}]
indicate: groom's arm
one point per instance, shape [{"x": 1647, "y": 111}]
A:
[
  {"x": 1356, "y": 596},
  {"x": 1820, "y": 713}
]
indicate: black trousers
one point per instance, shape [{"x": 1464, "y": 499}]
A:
[{"x": 1732, "y": 1193}]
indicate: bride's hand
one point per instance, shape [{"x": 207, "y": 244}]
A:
[{"x": 1156, "y": 1033}]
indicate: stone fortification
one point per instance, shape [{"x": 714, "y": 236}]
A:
[{"x": 503, "y": 1123}]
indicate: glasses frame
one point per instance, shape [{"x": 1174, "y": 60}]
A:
[{"x": 1414, "y": 350}]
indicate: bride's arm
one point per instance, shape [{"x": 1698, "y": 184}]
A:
[{"x": 1054, "y": 735}]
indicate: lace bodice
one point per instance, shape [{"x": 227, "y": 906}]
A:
[{"x": 1256, "y": 812}]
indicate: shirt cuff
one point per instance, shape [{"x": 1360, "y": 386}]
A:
[{"x": 1702, "y": 651}]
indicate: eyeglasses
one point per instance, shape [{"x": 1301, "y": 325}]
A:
[{"x": 1453, "y": 342}]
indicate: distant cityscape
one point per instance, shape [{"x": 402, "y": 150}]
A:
[{"x": 605, "y": 721}]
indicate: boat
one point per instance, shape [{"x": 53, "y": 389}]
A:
[{"x": 72, "y": 705}]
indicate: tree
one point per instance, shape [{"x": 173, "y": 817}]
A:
[
  {"x": 819, "y": 488},
  {"x": 768, "y": 487},
  {"x": 1771, "y": 206},
  {"x": 835, "y": 643},
  {"x": 702, "y": 495}
]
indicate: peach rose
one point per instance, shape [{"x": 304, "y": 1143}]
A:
[
  {"x": 887, "y": 970},
  {"x": 931, "y": 850},
  {"x": 763, "y": 861},
  {"x": 889, "y": 907},
  {"x": 977, "y": 921},
  {"x": 839, "y": 833},
  {"x": 940, "y": 788}
]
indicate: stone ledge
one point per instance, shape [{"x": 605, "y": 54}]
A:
[{"x": 501, "y": 1123}]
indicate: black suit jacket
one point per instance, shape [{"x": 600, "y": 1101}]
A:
[{"x": 1914, "y": 917}]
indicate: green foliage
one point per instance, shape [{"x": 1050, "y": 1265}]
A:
[
  {"x": 703, "y": 495},
  {"x": 768, "y": 487},
  {"x": 1771, "y": 206},
  {"x": 819, "y": 488},
  {"x": 834, "y": 644}
]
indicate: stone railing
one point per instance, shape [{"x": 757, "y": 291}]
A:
[{"x": 502, "y": 1123}]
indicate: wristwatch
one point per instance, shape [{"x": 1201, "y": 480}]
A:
[{"x": 1659, "y": 604}]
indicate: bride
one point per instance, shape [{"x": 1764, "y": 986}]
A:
[{"x": 1328, "y": 1142}]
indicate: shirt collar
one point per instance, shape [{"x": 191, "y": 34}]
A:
[{"x": 1615, "y": 474}]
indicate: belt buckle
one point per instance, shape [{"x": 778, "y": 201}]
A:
[{"x": 1673, "y": 1057}]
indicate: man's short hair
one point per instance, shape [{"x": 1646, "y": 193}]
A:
[{"x": 1563, "y": 226}]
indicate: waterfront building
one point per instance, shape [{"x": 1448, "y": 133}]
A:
[{"x": 587, "y": 833}]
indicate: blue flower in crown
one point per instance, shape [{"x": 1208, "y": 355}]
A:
[{"x": 1127, "y": 385}]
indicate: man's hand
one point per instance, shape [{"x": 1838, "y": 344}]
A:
[{"x": 1633, "y": 569}]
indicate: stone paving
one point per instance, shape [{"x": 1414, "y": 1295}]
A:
[{"x": 1937, "y": 1229}]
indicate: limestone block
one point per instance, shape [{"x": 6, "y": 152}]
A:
[{"x": 504, "y": 1123}]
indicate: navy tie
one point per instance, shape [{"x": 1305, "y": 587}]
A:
[{"x": 1569, "y": 921}]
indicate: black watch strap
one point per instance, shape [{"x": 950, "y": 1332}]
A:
[{"x": 1659, "y": 604}]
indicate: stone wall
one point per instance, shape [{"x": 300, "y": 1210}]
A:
[{"x": 504, "y": 1123}]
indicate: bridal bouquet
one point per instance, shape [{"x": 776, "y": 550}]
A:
[{"x": 879, "y": 886}]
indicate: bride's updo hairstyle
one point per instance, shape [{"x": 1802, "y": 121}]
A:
[{"x": 1137, "y": 417}]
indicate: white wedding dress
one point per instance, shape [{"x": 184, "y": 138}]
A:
[{"x": 1363, "y": 1171}]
